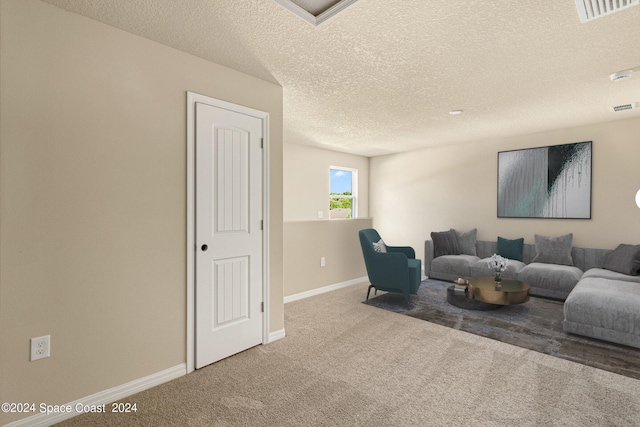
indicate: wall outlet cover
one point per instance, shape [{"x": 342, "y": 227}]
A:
[{"x": 40, "y": 347}]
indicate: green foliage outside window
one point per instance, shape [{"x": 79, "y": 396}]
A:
[{"x": 337, "y": 202}]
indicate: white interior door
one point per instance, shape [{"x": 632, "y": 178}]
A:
[{"x": 228, "y": 261}]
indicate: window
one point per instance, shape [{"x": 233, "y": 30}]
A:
[{"x": 342, "y": 192}]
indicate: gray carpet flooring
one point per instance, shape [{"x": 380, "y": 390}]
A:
[
  {"x": 535, "y": 325},
  {"x": 344, "y": 363}
]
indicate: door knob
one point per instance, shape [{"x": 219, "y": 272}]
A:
[{"x": 204, "y": 248}]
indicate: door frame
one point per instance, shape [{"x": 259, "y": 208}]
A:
[{"x": 192, "y": 99}]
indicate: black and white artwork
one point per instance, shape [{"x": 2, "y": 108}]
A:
[{"x": 545, "y": 182}]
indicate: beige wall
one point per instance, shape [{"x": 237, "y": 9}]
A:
[
  {"x": 93, "y": 200},
  {"x": 435, "y": 189},
  {"x": 307, "y": 238},
  {"x": 306, "y": 181},
  {"x": 305, "y": 242}
]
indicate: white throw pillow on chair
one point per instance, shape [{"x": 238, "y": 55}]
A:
[{"x": 380, "y": 247}]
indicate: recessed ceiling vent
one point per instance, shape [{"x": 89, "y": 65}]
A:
[
  {"x": 624, "y": 107},
  {"x": 594, "y": 9},
  {"x": 317, "y": 11}
]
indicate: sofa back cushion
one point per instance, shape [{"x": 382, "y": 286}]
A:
[
  {"x": 554, "y": 250},
  {"x": 624, "y": 259},
  {"x": 445, "y": 243},
  {"x": 467, "y": 241},
  {"x": 511, "y": 248}
]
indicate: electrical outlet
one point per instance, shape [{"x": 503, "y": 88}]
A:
[
  {"x": 322, "y": 262},
  {"x": 40, "y": 347},
  {"x": 320, "y": 214}
]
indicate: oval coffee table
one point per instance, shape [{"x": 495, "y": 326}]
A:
[{"x": 485, "y": 294}]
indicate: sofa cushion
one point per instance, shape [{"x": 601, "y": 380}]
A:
[
  {"x": 511, "y": 249},
  {"x": 445, "y": 243},
  {"x": 624, "y": 259},
  {"x": 467, "y": 241},
  {"x": 608, "y": 274},
  {"x": 605, "y": 305},
  {"x": 481, "y": 268},
  {"x": 551, "y": 280},
  {"x": 554, "y": 250},
  {"x": 379, "y": 246},
  {"x": 453, "y": 265}
]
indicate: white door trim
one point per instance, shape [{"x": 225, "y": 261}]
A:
[{"x": 192, "y": 99}]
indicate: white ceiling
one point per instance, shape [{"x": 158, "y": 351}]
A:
[{"x": 382, "y": 75}]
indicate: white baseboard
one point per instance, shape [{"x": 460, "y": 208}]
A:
[
  {"x": 324, "y": 289},
  {"x": 105, "y": 397},
  {"x": 276, "y": 335}
]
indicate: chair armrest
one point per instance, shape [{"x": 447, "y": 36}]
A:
[
  {"x": 428, "y": 256},
  {"x": 387, "y": 268},
  {"x": 390, "y": 259},
  {"x": 407, "y": 250}
]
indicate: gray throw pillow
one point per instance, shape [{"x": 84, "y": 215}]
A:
[
  {"x": 624, "y": 259},
  {"x": 380, "y": 247},
  {"x": 467, "y": 241},
  {"x": 445, "y": 243},
  {"x": 554, "y": 250}
]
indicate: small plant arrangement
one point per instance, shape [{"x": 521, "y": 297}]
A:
[{"x": 498, "y": 264}]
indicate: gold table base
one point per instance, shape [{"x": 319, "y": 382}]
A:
[{"x": 506, "y": 292}]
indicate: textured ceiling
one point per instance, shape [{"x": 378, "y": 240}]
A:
[{"x": 382, "y": 75}]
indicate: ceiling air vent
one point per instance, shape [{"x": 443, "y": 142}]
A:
[
  {"x": 623, "y": 107},
  {"x": 317, "y": 11},
  {"x": 593, "y": 9}
]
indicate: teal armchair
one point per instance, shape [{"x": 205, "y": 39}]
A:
[{"x": 397, "y": 270}]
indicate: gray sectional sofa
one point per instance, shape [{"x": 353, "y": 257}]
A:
[
  {"x": 605, "y": 304},
  {"x": 546, "y": 279},
  {"x": 599, "y": 302}
]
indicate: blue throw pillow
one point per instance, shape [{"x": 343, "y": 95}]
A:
[{"x": 511, "y": 249}]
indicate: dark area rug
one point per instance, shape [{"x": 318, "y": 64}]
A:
[{"x": 535, "y": 325}]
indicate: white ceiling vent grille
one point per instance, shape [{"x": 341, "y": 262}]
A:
[
  {"x": 624, "y": 107},
  {"x": 593, "y": 9}
]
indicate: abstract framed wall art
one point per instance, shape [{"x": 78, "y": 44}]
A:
[{"x": 545, "y": 182}]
